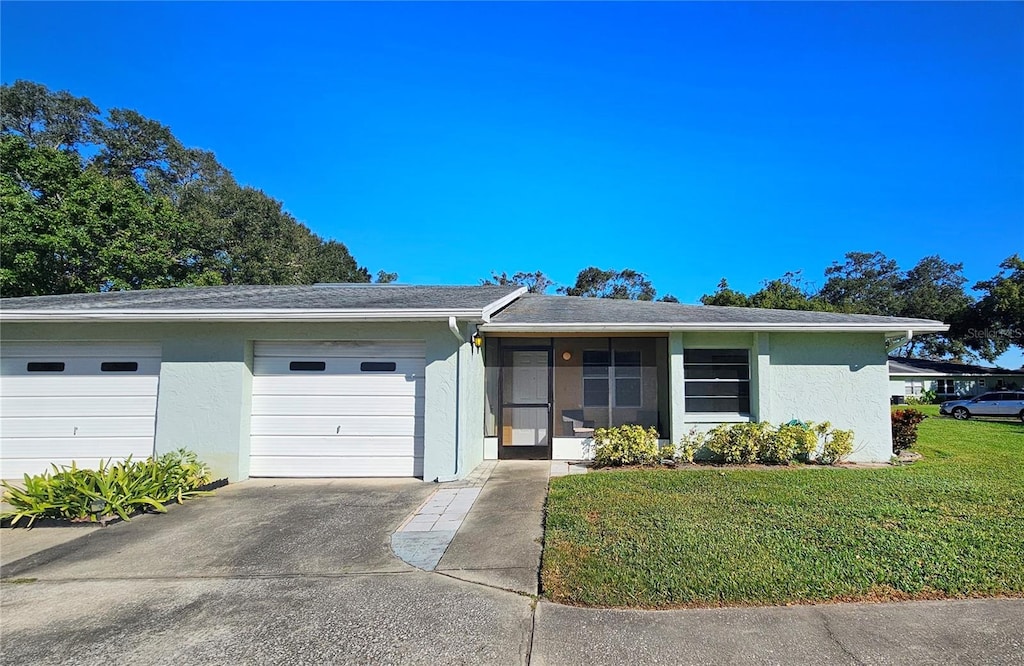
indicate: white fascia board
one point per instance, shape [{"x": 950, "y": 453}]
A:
[
  {"x": 491, "y": 308},
  {"x": 951, "y": 375},
  {"x": 238, "y": 315},
  {"x": 882, "y": 327}
]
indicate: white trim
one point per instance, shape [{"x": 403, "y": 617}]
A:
[
  {"x": 304, "y": 315},
  {"x": 717, "y": 417},
  {"x": 658, "y": 327},
  {"x": 491, "y": 308},
  {"x": 954, "y": 375}
]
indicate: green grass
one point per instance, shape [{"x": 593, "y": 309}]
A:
[{"x": 951, "y": 525}]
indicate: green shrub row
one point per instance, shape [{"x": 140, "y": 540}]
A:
[
  {"x": 113, "y": 490},
  {"x": 746, "y": 443},
  {"x": 740, "y": 443}
]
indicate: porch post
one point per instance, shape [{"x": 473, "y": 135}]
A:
[
  {"x": 677, "y": 387},
  {"x": 760, "y": 381}
]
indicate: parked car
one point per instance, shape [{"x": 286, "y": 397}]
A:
[{"x": 994, "y": 403}]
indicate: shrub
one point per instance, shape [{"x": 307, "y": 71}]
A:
[
  {"x": 114, "y": 489},
  {"x": 838, "y": 445},
  {"x": 745, "y": 443},
  {"x": 626, "y": 445},
  {"x": 689, "y": 445},
  {"x": 904, "y": 428},
  {"x": 793, "y": 441},
  {"x": 740, "y": 443}
]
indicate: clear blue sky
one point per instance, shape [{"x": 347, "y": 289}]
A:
[{"x": 688, "y": 141}]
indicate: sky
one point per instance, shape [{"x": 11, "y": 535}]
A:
[{"x": 688, "y": 141}]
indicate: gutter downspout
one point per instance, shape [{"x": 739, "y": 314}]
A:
[
  {"x": 453, "y": 326},
  {"x": 894, "y": 343}
]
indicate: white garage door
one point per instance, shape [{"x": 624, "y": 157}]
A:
[
  {"x": 75, "y": 401},
  {"x": 326, "y": 409}
]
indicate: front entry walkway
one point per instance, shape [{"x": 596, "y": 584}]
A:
[
  {"x": 500, "y": 541},
  {"x": 489, "y": 533}
]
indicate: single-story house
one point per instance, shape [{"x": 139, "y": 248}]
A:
[
  {"x": 949, "y": 380},
  {"x": 426, "y": 381}
]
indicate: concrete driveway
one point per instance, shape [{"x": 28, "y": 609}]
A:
[
  {"x": 265, "y": 571},
  {"x": 301, "y": 572}
]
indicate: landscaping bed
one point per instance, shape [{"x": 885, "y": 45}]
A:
[{"x": 950, "y": 525}]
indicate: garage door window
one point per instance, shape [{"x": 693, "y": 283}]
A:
[
  {"x": 119, "y": 366},
  {"x": 37, "y": 366},
  {"x": 307, "y": 366},
  {"x": 377, "y": 366}
]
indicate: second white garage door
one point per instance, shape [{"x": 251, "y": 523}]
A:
[{"x": 334, "y": 409}]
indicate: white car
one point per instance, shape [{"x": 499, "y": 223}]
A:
[{"x": 994, "y": 403}]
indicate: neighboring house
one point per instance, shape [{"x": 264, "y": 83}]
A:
[
  {"x": 394, "y": 380},
  {"x": 914, "y": 376}
]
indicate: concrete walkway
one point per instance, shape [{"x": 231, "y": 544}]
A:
[{"x": 499, "y": 542}]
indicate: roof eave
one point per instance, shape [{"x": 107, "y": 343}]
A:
[
  {"x": 624, "y": 327},
  {"x": 297, "y": 315}
]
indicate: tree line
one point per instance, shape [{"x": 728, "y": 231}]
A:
[
  {"x": 93, "y": 201},
  {"x": 96, "y": 202},
  {"x": 982, "y": 326}
]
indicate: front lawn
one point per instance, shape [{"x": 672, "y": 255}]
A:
[{"x": 951, "y": 525}]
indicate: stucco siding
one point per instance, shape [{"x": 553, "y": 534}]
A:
[
  {"x": 842, "y": 378},
  {"x": 205, "y": 388}
]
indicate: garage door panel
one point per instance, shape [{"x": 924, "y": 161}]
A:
[
  {"x": 337, "y": 425},
  {"x": 333, "y": 405},
  {"x": 17, "y": 468},
  {"x": 89, "y": 366},
  {"x": 341, "y": 385},
  {"x": 411, "y": 349},
  {"x": 88, "y": 385},
  {"x": 338, "y": 446},
  {"x": 94, "y": 426},
  {"x": 79, "y": 448},
  {"x": 290, "y": 466},
  {"x": 356, "y": 417},
  {"x": 119, "y": 349},
  {"x": 74, "y": 406},
  {"x": 336, "y": 366}
]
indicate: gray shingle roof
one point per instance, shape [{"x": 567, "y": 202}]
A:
[
  {"x": 901, "y": 365},
  {"x": 277, "y": 297},
  {"x": 567, "y": 310}
]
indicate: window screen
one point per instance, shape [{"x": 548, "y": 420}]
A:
[{"x": 717, "y": 380}]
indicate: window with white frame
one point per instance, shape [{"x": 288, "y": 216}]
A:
[
  {"x": 945, "y": 387},
  {"x": 914, "y": 387},
  {"x": 717, "y": 380},
  {"x": 612, "y": 378}
]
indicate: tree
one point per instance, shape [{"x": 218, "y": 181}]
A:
[
  {"x": 535, "y": 282},
  {"x": 81, "y": 194},
  {"x": 866, "y": 283},
  {"x": 383, "y": 277},
  {"x": 67, "y": 229},
  {"x": 597, "y": 283},
  {"x": 996, "y": 320},
  {"x": 726, "y": 296},
  {"x": 934, "y": 289},
  {"x": 788, "y": 293},
  {"x": 44, "y": 119}
]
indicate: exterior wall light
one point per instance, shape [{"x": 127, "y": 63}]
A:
[{"x": 478, "y": 340}]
